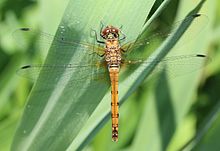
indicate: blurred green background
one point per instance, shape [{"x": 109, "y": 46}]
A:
[{"x": 198, "y": 130}]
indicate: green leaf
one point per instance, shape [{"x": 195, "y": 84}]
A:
[
  {"x": 102, "y": 113},
  {"x": 208, "y": 135},
  {"x": 55, "y": 113},
  {"x": 169, "y": 101}
]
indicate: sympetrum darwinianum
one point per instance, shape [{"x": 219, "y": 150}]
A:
[{"x": 111, "y": 55}]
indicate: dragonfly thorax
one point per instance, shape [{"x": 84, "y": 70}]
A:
[{"x": 112, "y": 53}]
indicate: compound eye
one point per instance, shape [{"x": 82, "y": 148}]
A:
[
  {"x": 105, "y": 32},
  {"x": 116, "y": 31}
]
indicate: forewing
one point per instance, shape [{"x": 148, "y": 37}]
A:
[
  {"x": 63, "y": 44},
  {"x": 150, "y": 43}
]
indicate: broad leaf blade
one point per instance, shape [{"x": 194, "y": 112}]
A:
[
  {"x": 54, "y": 114},
  {"x": 102, "y": 113}
]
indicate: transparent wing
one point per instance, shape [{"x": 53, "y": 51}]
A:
[
  {"x": 64, "y": 42},
  {"x": 57, "y": 72},
  {"x": 68, "y": 75},
  {"x": 199, "y": 22},
  {"x": 73, "y": 75},
  {"x": 174, "y": 65}
]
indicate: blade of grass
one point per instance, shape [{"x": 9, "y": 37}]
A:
[
  {"x": 166, "y": 108},
  {"x": 208, "y": 134},
  {"x": 53, "y": 116},
  {"x": 102, "y": 113},
  {"x": 183, "y": 103}
]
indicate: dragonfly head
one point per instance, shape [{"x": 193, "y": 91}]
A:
[{"x": 110, "y": 32}]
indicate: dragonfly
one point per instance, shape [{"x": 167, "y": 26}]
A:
[{"x": 110, "y": 55}]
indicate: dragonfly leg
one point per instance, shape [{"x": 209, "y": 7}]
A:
[
  {"x": 96, "y": 37},
  {"x": 102, "y": 26},
  {"x": 122, "y": 50},
  {"x": 100, "y": 55},
  {"x": 123, "y": 36}
]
